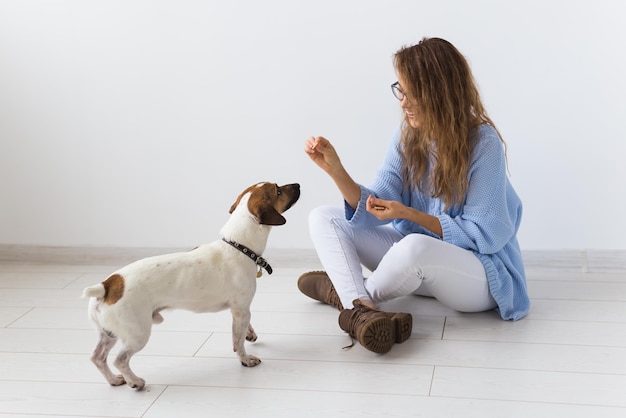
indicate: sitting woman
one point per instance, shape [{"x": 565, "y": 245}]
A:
[{"x": 440, "y": 219}]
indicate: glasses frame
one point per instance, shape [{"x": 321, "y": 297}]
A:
[{"x": 397, "y": 91}]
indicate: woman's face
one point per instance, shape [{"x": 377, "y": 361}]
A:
[{"x": 408, "y": 106}]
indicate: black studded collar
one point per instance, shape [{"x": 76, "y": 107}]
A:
[{"x": 258, "y": 260}]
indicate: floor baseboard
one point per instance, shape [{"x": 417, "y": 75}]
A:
[{"x": 583, "y": 260}]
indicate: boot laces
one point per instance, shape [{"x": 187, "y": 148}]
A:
[
  {"x": 333, "y": 298},
  {"x": 358, "y": 317}
]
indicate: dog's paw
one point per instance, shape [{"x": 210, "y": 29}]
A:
[
  {"x": 137, "y": 384},
  {"x": 117, "y": 380},
  {"x": 250, "y": 361},
  {"x": 251, "y": 336},
  {"x": 157, "y": 318}
]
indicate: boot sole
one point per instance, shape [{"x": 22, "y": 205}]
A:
[
  {"x": 403, "y": 326},
  {"x": 378, "y": 336}
]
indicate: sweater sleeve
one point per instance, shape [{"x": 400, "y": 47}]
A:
[
  {"x": 386, "y": 185},
  {"x": 488, "y": 218}
]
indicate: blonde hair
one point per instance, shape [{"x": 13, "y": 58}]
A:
[{"x": 438, "y": 153}]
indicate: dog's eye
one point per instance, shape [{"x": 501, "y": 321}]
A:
[{"x": 278, "y": 191}]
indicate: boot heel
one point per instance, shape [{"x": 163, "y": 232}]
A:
[
  {"x": 403, "y": 326},
  {"x": 377, "y": 335}
]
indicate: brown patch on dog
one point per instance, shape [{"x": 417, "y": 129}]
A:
[
  {"x": 234, "y": 205},
  {"x": 268, "y": 200},
  {"x": 263, "y": 208},
  {"x": 113, "y": 289}
]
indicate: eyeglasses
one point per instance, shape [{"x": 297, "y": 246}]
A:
[{"x": 397, "y": 91}]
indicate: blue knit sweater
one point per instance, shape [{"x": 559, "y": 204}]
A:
[{"x": 486, "y": 223}]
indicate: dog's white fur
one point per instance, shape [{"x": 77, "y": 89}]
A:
[{"x": 210, "y": 278}]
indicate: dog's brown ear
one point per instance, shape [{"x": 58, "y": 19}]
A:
[
  {"x": 234, "y": 205},
  {"x": 267, "y": 215}
]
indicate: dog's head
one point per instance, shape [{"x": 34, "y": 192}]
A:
[{"x": 268, "y": 200}]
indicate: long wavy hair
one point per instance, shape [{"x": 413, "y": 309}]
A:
[{"x": 444, "y": 97}]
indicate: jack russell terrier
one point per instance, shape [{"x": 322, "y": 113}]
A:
[{"x": 211, "y": 278}]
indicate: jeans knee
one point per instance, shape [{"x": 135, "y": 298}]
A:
[
  {"x": 417, "y": 245},
  {"x": 321, "y": 216}
]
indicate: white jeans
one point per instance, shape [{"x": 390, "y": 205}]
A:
[{"x": 400, "y": 265}]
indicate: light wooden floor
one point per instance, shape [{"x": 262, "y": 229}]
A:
[{"x": 567, "y": 358}]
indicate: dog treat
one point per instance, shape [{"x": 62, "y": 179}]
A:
[{"x": 375, "y": 207}]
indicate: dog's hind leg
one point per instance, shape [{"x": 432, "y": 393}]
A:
[
  {"x": 241, "y": 328},
  {"x": 122, "y": 362},
  {"x": 132, "y": 345},
  {"x": 135, "y": 340},
  {"x": 100, "y": 354}
]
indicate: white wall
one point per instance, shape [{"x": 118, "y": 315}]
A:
[{"x": 136, "y": 123}]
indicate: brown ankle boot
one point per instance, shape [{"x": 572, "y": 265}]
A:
[
  {"x": 371, "y": 327},
  {"x": 317, "y": 285},
  {"x": 375, "y": 330}
]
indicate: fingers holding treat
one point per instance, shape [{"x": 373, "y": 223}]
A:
[{"x": 375, "y": 204}]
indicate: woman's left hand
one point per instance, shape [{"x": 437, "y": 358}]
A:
[
  {"x": 384, "y": 209},
  {"x": 390, "y": 209}
]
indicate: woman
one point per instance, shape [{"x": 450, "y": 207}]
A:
[{"x": 440, "y": 218}]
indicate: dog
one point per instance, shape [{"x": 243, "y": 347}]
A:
[{"x": 210, "y": 278}]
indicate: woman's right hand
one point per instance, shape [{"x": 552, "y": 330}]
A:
[{"x": 322, "y": 153}]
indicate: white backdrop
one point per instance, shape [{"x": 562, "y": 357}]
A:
[{"x": 136, "y": 123}]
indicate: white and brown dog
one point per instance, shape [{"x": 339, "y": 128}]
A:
[{"x": 211, "y": 278}]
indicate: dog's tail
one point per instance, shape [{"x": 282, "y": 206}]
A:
[{"x": 95, "y": 291}]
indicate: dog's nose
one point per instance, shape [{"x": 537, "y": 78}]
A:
[
  {"x": 294, "y": 186},
  {"x": 295, "y": 193}
]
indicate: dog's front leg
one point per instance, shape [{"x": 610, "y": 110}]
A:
[
  {"x": 251, "y": 335},
  {"x": 241, "y": 326}
]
